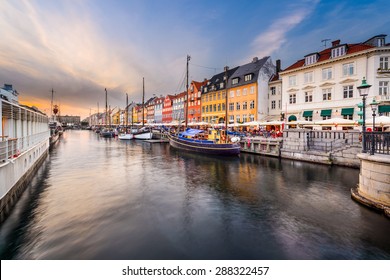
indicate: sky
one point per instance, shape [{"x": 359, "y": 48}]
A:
[{"x": 80, "y": 47}]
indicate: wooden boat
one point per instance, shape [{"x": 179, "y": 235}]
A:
[{"x": 213, "y": 143}]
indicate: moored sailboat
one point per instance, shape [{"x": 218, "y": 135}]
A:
[
  {"x": 213, "y": 142},
  {"x": 144, "y": 133},
  {"x": 126, "y": 135}
]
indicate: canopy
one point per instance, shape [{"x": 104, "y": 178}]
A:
[
  {"x": 252, "y": 123},
  {"x": 379, "y": 121},
  {"x": 336, "y": 121},
  {"x": 272, "y": 123},
  {"x": 191, "y": 132}
]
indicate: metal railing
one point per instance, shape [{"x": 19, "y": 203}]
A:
[
  {"x": 377, "y": 142},
  {"x": 13, "y": 147}
]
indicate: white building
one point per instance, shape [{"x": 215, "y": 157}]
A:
[{"x": 324, "y": 84}]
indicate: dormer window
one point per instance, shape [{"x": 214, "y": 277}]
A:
[
  {"x": 221, "y": 85},
  {"x": 311, "y": 59},
  {"x": 248, "y": 77},
  {"x": 235, "y": 81},
  {"x": 339, "y": 51}
]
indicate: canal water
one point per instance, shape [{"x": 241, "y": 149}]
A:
[{"x": 105, "y": 199}]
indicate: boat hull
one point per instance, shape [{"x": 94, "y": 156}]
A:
[
  {"x": 228, "y": 149},
  {"x": 143, "y": 135},
  {"x": 126, "y": 136}
]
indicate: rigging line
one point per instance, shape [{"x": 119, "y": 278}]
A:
[
  {"x": 207, "y": 67},
  {"x": 181, "y": 81}
]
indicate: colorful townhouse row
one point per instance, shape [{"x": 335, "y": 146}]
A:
[{"x": 321, "y": 85}]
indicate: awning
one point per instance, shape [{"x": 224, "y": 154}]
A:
[
  {"x": 292, "y": 118},
  {"x": 307, "y": 114},
  {"x": 346, "y": 111},
  {"x": 384, "y": 109},
  {"x": 326, "y": 113}
]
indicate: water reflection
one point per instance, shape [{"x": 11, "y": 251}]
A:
[{"x": 108, "y": 199}]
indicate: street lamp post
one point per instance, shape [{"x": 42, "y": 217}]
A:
[
  {"x": 363, "y": 92},
  {"x": 374, "y": 107}
]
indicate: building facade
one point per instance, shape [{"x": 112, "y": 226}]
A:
[{"x": 324, "y": 84}]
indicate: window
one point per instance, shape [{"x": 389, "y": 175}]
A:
[
  {"x": 223, "y": 106},
  {"x": 280, "y": 104},
  {"x": 308, "y": 96},
  {"x": 273, "y": 90},
  {"x": 205, "y": 89},
  {"x": 340, "y": 51},
  {"x": 238, "y": 106},
  {"x": 327, "y": 94},
  {"x": 273, "y": 104},
  {"x": 235, "y": 81},
  {"x": 348, "y": 69},
  {"x": 215, "y": 96},
  {"x": 238, "y": 119},
  {"x": 221, "y": 85},
  {"x": 327, "y": 73},
  {"x": 231, "y": 118},
  {"x": 383, "y": 88},
  {"x": 248, "y": 77},
  {"x": 311, "y": 59},
  {"x": 231, "y": 93},
  {"x": 384, "y": 62},
  {"x": 252, "y": 105},
  {"x": 251, "y": 117},
  {"x": 244, "y": 118},
  {"x": 219, "y": 95},
  {"x": 348, "y": 91},
  {"x": 210, "y": 108},
  {"x": 238, "y": 92},
  {"x": 231, "y": 106},
  {"x": 252, "y": 90},
  {"x": 308, "y": 77},
  {"x": 293, "y": 98},
  {"x": 292, "y": 81},
  {"x": 245, "y": 105},
  {"x": 245, "y": 91}
]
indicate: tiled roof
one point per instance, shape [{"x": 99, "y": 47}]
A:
[{"x": 326, "y": 54}]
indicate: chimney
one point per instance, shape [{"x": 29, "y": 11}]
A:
[
  {"x": 255, "y": 59},
  {"x": 278, "y": 66},
  {"x": 335, "y": 43},
  {"x": 226, "y": 68}
]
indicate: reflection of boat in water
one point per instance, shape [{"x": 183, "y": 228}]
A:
[
  {"x": 197, "y": 141},
  {"x": 106, "y": 133}
]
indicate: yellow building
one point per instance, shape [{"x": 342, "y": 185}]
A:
[{"x": 214, "y": 98}]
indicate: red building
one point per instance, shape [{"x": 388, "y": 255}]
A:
[
  {"x": 167, "y": 109},
  {"x": 195, "y": 105}
]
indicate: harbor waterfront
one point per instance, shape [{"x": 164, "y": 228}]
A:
[{"x": 103, "y": 198}]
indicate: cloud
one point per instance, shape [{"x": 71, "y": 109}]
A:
[{"x": 269, "y": 41}]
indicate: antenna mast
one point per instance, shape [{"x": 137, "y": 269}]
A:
[{"x": 324, "y": 41}]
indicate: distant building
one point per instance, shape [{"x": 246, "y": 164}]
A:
[
  {"x": 69, "y": 120},
  {"x": 275, "y": 107}
]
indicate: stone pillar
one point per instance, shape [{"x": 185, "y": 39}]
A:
[{"x": 374, "y": 182}]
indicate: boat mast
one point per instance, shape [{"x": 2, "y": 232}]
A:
[
  {"x": 105, "y": 121},
  {"x": 186, "y": 109},
  {"x": 143, "y": 101},
  {"x": 226, "y": 104},
  {"x": 127, "y": 110},
  {"x": 51, "y": 108}
]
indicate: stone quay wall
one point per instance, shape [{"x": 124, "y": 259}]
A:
[{"x": 326, "y": 147}]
